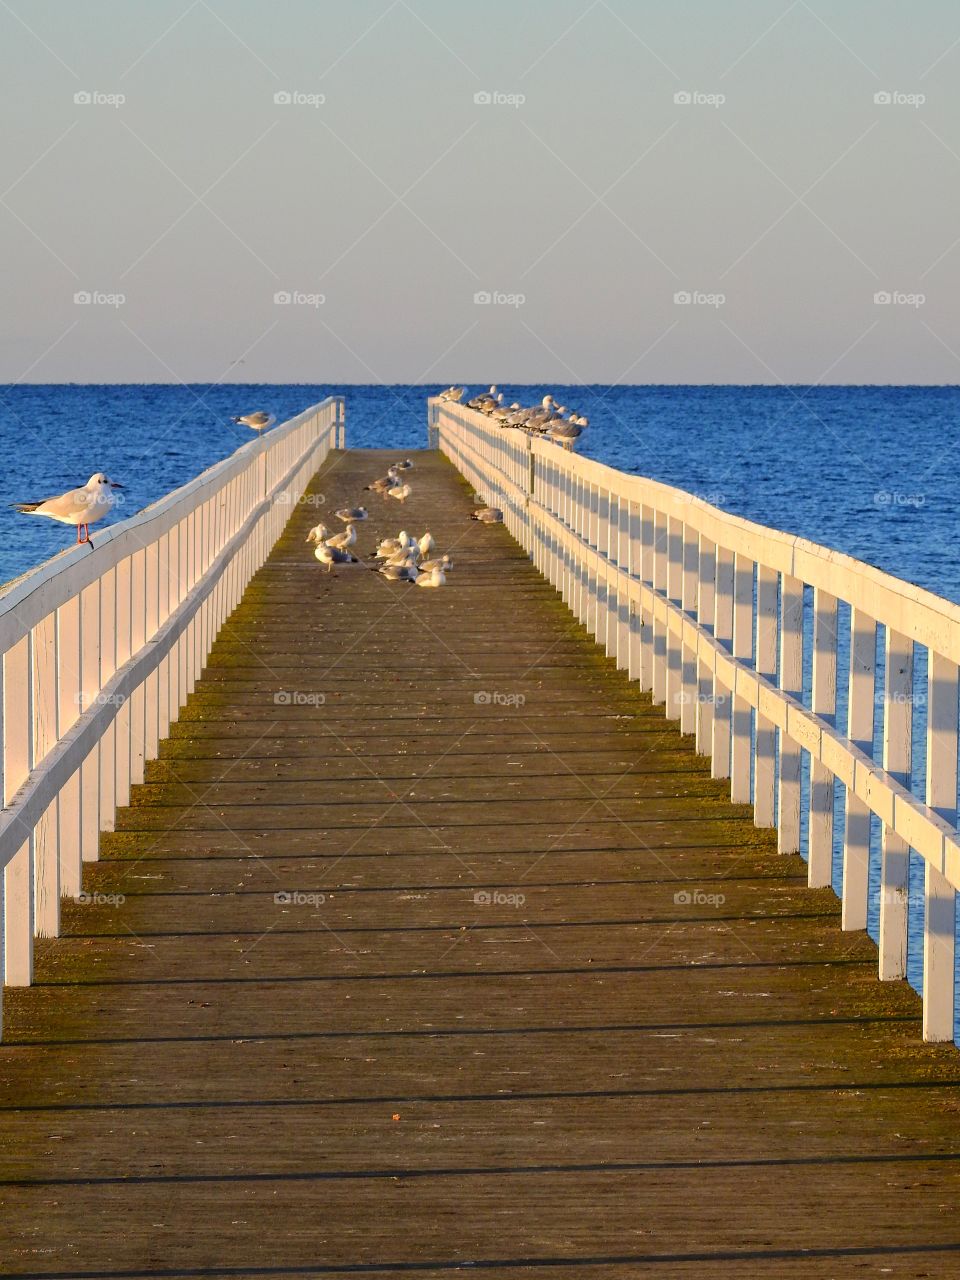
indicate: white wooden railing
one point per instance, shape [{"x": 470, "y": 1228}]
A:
[
  {"x": 100, "y": 649},
  {"x": 720, "y": 619}
]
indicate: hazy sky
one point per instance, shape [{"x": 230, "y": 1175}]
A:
[{"x": 782, "y": 197}]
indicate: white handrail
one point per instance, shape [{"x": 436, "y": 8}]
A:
[
  {"x": 100, "y": 648},
  {"x": 707, "y": 610}
]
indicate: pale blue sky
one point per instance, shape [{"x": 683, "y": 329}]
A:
[{"x": 597, "y": 199}]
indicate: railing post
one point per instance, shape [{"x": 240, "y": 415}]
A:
[
  {"x": 791, "y": 683},
  {"x": 741, "y": 717},
  {"x": 706, "y": 606},
  {"x": 765, "y": 747},
  {"x": 674, "y": 592},
  {"x": 823, "y": 704},
  {"x": 939, "y": 932},
  {"x": 861, "y": 705},
  {"x": 898, "y": 762},
  {"x": 689, "y": 596},
  {"x": 723, "y": 631},
  {"x": 660, "y": 570},
  {"x": 18, "y": 875}
]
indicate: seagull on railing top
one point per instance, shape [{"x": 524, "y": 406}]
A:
[
  {"x": 452, "y": 393},
  {"x": 80, "y": 507},
  {"x": 258, "y": 421}
]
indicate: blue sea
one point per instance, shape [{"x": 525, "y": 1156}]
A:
[{"x": 868, "y": 470}]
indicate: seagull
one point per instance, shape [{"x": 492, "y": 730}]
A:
[
  {"x": 258, "y": 421},
  {"x": 333, "y": 555},
  {"x": 387, "y": 546},
  {"x": 405, "y": 465},
  {"x": 444, "y": 562},
  {"x": 343, "y": 540},
  {"x": 319, "y": 533},
  {"x": 488, "y": 515},
  {"x": 452, "y": 393},
  {"x": 565, "y": 433},
  {"x": 385, "y": 482},
  {"x": 399, "y": 491},
  {"x": 426, "y": 544},
  {"x": 80, "y": 507},
  {"x": 350, "y": 515},
  {"x": 399, "y": 572},
  {"x": 434, "y": 578}
]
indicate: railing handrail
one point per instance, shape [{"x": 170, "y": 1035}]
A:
[{"x": 708, "y": 610}]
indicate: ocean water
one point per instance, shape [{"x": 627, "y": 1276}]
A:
[{"x": 869, "y": 470}]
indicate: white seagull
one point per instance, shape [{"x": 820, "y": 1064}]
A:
[
  {"x": 343, "y": 540},
  {"x": 333, "y": 555},
  {"x": 258, "y": 421},
  {"x": 349, "y": 515},
  {"x": 319, "y": 533},
  {"x": 427, "y": 544},
  {"x": 80, "y": 507},
  {"x": 400, "y": 491},
  {"x": 488, "y": 515},
  {"x": 434, "y": 578}
]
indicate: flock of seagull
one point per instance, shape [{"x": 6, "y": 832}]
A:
[
  {"x": 403, "y": 558},
  {"x": 547, "y": 418}
]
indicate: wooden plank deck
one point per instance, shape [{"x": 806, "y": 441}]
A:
[{"x": 392, "y": 1077}]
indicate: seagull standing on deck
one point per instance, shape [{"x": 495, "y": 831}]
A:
[
  {"x": 80, "y": 507},
  {"x": 258, "y": 421}
]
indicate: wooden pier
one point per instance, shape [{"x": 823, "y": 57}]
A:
[{"x": 427, "y": 945}]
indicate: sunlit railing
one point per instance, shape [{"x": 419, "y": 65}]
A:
[
  {"x": 102, "y": 646},
  {"x": 737, "y": 630}
]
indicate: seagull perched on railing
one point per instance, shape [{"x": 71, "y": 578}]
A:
[
  {"x": 452, "y": 393},
  {"x": 258, "y": 421},
  {"x": 80, "y": 507}
]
